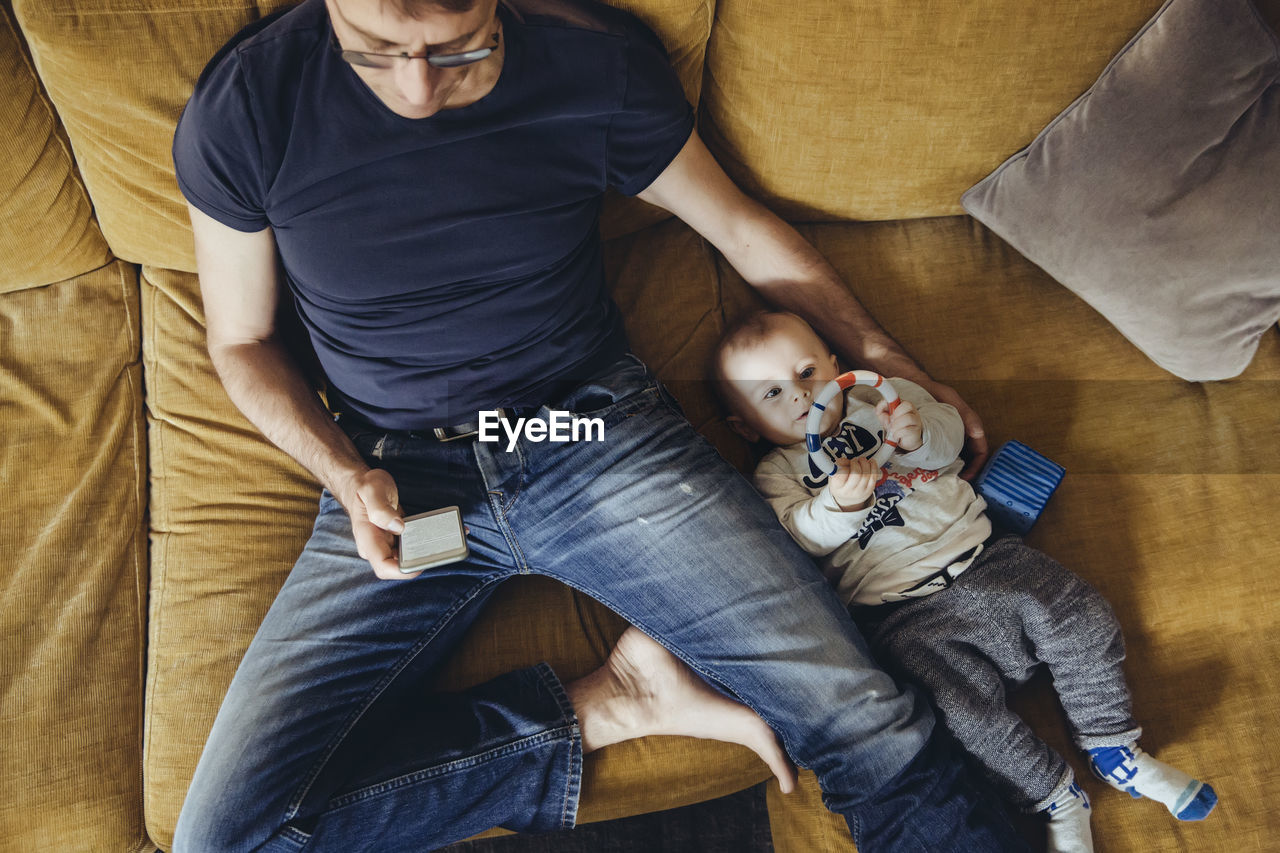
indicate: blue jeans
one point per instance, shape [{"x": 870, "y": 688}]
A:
[{"x": 327, "y": 742}]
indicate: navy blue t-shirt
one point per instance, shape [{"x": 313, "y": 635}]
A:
[{"x": 448, "y": 264}]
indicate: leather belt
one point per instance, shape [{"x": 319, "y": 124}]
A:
[{"x": 460, "y": 431}]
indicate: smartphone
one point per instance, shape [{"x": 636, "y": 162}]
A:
[{"x": 432, "y": 539}]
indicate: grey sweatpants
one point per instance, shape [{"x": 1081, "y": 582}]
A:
[{"x": 1013, "y": 609}]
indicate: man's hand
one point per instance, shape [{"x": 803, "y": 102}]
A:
[
  {"x": 854, "y": 483},
  {"x": 903, "y": 427},
  {"x": 373, "y": 502},
  {"x": 975, "y": 437}
]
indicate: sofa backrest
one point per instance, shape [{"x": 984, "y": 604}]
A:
[
  {"x": 49, "y": 231},
  {"x": 826, "y": 111},
  {"x": 869, "y": 110}
]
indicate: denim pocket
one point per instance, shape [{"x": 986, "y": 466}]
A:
[{"x": 625, "y": 389}]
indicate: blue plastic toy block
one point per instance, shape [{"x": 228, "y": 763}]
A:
[{"x": 1016, "y": 483}]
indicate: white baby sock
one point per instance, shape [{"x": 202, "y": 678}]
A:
[
  {"x": 1069, "y": 822},
  {"x": 1131, "y": 770}
]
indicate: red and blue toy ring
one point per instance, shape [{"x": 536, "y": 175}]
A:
[{"x": 813, "y": 441}]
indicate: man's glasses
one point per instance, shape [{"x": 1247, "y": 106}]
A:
[{"x": 365, "y": 59}]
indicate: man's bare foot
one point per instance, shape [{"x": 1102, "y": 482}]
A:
[{"x": 645, "y": 690}]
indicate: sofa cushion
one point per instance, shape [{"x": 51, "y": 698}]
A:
[
  {"x": 49, "y": 233},
  {"x": 120, "y": 72},
  {"x": 221, "y": 542},
  {"x": 666, "y": 284},
  {"x": 1155, "y": 196},
  {"x": 872, "y": 110},
  {"x": 71, "y": 630}
]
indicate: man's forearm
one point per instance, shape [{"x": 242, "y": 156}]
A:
[
  {"x": 267, "y": 386},
  {"x": 791, "y": 274}
]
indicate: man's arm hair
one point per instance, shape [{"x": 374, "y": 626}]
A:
[{"x": 772, "y": 256}]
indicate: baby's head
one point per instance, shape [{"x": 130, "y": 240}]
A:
[{"x": 768, "y": 368}]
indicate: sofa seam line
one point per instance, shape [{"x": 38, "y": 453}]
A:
[
  {"x": 155, "y": 622},
  {"x": 141, "y": 562}
]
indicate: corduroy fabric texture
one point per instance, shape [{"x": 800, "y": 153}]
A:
[
  {"x": 667, "y": 286},
  {"x": 870, "y": 110},
  {"x": 119, "y": 73},
  {"x": 229, "y": 512},
  {"x": 73, "y": 464},
  {"x": 48, "y": 232}
]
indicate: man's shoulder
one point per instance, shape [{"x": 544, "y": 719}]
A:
[
  {"x": 582, "y": 16},
  {"x": 279, "y": 40}
]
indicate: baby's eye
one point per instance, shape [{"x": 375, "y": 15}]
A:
[
  {"x": 806, "y": 373},
  {"x": 772, "y": 392}
]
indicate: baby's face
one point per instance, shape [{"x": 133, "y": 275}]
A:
[{"x": 772, "y": 383}]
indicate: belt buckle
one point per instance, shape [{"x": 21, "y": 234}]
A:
[{"x": 444, "y": 437}]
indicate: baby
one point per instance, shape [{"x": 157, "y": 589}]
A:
[{"x": 941, "y": 601}]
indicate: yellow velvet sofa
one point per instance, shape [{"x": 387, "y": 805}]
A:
[{"x": 147, "y": 525}]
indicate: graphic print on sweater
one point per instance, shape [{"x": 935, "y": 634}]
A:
[{"x": 852, "y": 441}]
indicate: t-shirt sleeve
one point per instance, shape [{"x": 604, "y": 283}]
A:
[
  {"x": 654, "y": 121},
  {"x": 216, "y": 154}
]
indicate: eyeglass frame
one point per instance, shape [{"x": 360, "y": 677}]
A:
[{"x": 361, "y": 58}]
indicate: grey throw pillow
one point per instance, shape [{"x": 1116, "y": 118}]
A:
[{"x": 1156, "y": 195}]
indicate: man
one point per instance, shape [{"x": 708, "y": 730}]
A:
[{"x": 429, "y": 175}]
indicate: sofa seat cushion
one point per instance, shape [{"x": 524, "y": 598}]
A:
[
  {"x": 222, "y": 544},
  {"x": 1168, "y": 506},
  {"x": 73, "y": 464}
]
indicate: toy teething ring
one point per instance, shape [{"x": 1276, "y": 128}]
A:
[{"x": 813, "y": 441}]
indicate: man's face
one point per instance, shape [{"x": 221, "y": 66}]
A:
[
  {"x": 772, "y": 382},
  {"x": 414, "y": 88}
]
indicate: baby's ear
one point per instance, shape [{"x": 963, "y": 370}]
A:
[{"x": 739, "y": 426}]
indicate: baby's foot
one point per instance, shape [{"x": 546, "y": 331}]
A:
[
  {"x": 1129, "y": 769},
  {"x": 1069, "y": 822}
]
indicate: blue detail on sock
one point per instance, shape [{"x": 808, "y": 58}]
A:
[
  {"x": 1073, "y": 792},
  {"x": 1114, "y": 765},
  {"x": 1202, "y": 800}
]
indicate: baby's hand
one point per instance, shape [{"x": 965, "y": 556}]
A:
[
  {"x": 903, "y": 427},
  {"x": 854, "y": 483}
]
